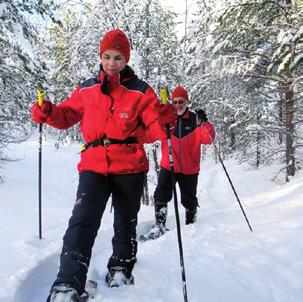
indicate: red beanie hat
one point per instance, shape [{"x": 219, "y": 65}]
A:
[
  {"x": 179, "y": 92},
  {"x": 117, "y": 40}
]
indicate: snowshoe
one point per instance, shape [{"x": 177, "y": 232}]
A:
[
  {"x": 65, "y": 293},
  {"x": 155, "y": 232},
  {"x": 118, "y": 276}
]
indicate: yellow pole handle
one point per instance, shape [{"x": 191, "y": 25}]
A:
[
  {"x": 40, "y": 97},
  {"x": 164, "y": 95}
]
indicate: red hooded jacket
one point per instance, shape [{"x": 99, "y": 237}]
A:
[
  {"x": 186, "y": 144},
  {"x": 108, "y": 107}
]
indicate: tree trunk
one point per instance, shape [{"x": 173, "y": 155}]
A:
[
  {"x": 258, "y": 155},
  {"x": 290, "y": 149},
  {"x": 281, "y": 119},
  {"x": 289, "y": 106},
  {"x": 232, "y": 136},
  {"x": 232, "y": 140},
  {"x": 147, "y": 35},
  {"x": 185, "y": 25}
]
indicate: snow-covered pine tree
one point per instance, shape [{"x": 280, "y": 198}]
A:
[
  {"x": 267, "y": 37},
  {"x": 212, "y": 86},
  {"x": 155, "y": 40},
  {"x": 69, "y": 63},
  {"x": 21, "y": 68},
  {"x": 259, "y": 44}
]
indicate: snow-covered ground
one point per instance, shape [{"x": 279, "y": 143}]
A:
[{"x": 224, "y": 261}]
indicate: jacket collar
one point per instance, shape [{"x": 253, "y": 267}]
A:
[
  {"x": 109, "y": 83},
  {"x": 125, "y": 75},
  {"x": 185, "y": 114}
]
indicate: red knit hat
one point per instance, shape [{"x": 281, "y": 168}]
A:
[
  {"x": 179, "y": 92},
  {"x": 117, "y": 40}
]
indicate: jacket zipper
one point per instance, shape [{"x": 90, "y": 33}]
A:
[{"x": 179, "y": 143}]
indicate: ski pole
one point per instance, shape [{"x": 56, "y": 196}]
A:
[
  {"x": 229, "y": 179},
  {"x": 164, "y": 99},
  {"x": 40, "y": 103}
]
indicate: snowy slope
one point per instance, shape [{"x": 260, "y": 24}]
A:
[{"x": 224, "y": 261}]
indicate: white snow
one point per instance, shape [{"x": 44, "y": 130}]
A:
[{"x": 224, "y": 261}]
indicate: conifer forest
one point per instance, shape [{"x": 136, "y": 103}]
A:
[{"x": 241, "y": 61}]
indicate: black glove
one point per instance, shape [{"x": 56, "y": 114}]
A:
[{"x": 201, "y": 116}]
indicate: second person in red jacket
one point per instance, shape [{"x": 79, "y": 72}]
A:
[{"x": 192, "y": 129}]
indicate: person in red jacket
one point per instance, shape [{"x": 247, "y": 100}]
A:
[
  {"x": 115, "y": 109},
  {"x": 192, "y": 130}
]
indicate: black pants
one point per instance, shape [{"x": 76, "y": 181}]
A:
[
  {"x": 187, "y": 184},
  {"x": 93, "y": 193}
]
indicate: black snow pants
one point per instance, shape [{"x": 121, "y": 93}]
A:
[
  {"x": 188, "y": 189},
  {"x": 93, "y": 193}
]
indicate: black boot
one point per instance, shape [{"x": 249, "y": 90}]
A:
[
  {"x": 117, "y": 276},
  {"x": 190, "y": 215},
  {"x": 65, "y": 293},
  {"x": 158, "y": 229},
  {"x": 160, "y": 213}
]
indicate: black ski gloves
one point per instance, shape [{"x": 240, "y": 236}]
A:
[{"x": 201, "y": 116}]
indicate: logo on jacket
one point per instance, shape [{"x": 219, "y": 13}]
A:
[{"x": 123, "y": 115}]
